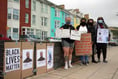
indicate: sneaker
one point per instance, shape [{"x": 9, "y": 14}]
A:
[
  {"x": 66, "y": 67},
  {"x": 105, "y": 61},
  {"x": 94, "y": 61},
  {"x": 70, "y": 65}
]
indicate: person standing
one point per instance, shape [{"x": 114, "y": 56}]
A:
[
  {"x": 91, "y": 29},
  {"x": 83, "y": 28},
  {"x": 67, "y": 43},
  {"x": 101, "y": 47}
]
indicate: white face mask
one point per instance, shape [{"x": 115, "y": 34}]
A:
[{"x": 100, "y": 21}]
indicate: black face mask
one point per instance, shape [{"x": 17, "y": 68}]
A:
[
  {"x": 83, "y": 23},
  {"x": 91, "y": 24}
]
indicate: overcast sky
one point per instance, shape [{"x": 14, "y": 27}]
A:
[{"x": 95, "y": 8}]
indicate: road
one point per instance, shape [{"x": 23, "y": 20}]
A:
[{"x": 92, "y": 71}]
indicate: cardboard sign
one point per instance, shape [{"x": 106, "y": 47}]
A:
[
  {"x": 12, "y": 59},
  {"x": 41, "y": 57},
  {"x": 84, "y": 47},
  {"x": 50, "y": 60},
  {"x": 102, "y": 35},
  {"x": 75, "y": 35},
  {"x": 27, "y": 59},
  {"x": 64, "y": 33}
]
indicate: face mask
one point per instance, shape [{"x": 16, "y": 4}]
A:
[
  {"x": 68, "y": 22},
  {"x": 100, "y": 21},
  {"x": 83, "y": 24}
]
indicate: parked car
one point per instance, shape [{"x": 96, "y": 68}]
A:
[
  {"x": 28, "y": 38},
  {"x": 51, "y": 39},
  {"x": 4, "y": 38},
  {"x": 113, "y": 42}
]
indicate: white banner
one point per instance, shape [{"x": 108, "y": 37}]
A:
[
  {"x": 75, "y": 35},
  {"x": 27, "y": 59},
  {"x": 12, "y": 59},
  {"x": 50, "y": 53},
  {"x": 102, "y": 35},
  {"x": 41, "y": 57},
  {"x": 62, "y": 33}
]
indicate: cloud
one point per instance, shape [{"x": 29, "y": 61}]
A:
[{"x": 95, "y": 8}]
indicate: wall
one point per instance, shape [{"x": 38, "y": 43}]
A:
[{"x": 3, "y": 17}]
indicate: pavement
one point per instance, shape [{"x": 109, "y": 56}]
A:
[{"x": 92, "y": 71}]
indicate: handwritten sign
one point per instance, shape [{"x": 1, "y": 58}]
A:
[
  {"x": 75, "y": 35},
  {"x": 102, "y": 35},
  {"x": 84, "y": 46},
  {"x": 62, "y": 33}
]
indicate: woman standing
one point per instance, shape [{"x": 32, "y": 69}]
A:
[
  {"x": 101, "y": 47},
  {"x": 83, "y": 28}
]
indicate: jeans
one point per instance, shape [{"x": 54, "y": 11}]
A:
[{"x": 84, "y": 58}]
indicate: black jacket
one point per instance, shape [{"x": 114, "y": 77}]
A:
[
  {"x": 68, "y": 27},
  {"x": 92, "y": 30}
]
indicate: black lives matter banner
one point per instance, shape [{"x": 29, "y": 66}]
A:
[{"x": 12, "y": 59}]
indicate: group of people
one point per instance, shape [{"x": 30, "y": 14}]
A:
[{"x": 87, "y": 27}]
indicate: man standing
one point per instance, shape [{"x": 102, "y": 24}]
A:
[
  {"x": 91, "y": 29},
  {"x": 67, "y": 43}
]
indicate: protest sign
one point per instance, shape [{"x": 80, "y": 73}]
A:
[
  {"x": 50, "y": 53},
  {"x": 62, "y": 33},
  {"x": 102, "y": 35},
  {"x": 27, "y": 58},
  {"x": 84, "y": 46},
  {"x": 12, "y": 59},
  {"x": 75, "y": 35},
  {"x": 41, "y": 57}
]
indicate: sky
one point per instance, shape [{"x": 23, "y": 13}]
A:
[{"x": 95, "y": 8}]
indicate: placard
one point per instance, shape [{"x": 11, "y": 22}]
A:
[
  {"x": 41, "y": 57},
  {"x": 75, "y": 35},
  {"x": 102, "y": 35},
  {"x": 62, "y": 33},
  {"x": 50, "y": 53},
  {"x": 27, "y": 58},
  {"x": 12, "y": 59},
  {"x": 84, "y": 46}
]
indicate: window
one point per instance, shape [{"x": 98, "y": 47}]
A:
[
  {"x": 34, "y": 19},
  {"x": 44, "y": 21},
  {"x": 15, "y": 33},
  {"x": 16, "y": 0},
  {"x": 44, "y": 35},
  {"x": 42, "y": 8},
  {"x": 26, "y": 3},
  {"x": 9, "y": 32},
  {"x": 34, "y": 5},
  {"x": 9, "y": 13},
  {"x": 26, "y": 18},
  {"x": 15, "y": 14},
  {"x": 46, "y": 8},
  {"x": 57, "y": 24},
  {"x": 38, "y": 33},
  {"x": 57, "y": 13}
]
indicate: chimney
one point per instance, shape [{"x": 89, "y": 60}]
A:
[{"x": 62, "y": 6}]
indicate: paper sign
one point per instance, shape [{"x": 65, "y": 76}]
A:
[
  {"x": 102, "y": 35},
  {"x": 62, "y": 33},
  {"x": 41, "y": 57},
  {"x": 12, "y": 59},
  {"x": 50, "y": 53},
  {"x": 27, "y": 59},
  {"x": 75, "y": 35}
]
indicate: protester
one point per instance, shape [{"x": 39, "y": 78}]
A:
[
  {"x": 101, "y": 47},
  {"x": 83, "y": 28},
  {"x": 67, "y": 44},
  {"x": 91, "y": 29}
]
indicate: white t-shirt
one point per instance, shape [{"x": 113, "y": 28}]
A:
[{"x": 83, "y": 29}]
